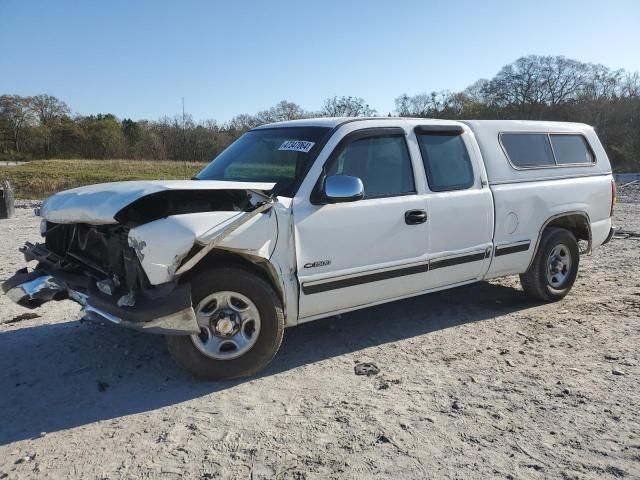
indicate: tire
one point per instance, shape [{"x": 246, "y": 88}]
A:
[
  {"x": 211, "y": 355},
  {"x": 539, "y": 281}
]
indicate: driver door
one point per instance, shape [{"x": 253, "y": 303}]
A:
[{"x": 366, "y": 251}]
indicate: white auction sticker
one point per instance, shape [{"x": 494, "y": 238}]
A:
[{"x": 297, "y": 145}]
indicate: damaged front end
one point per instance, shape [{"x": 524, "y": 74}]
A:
[
  {"x": 127, "y": 269},
  {"x": 95, "y": 267}
]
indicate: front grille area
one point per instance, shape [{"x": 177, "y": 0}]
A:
[{"x": 101, "y": 248}]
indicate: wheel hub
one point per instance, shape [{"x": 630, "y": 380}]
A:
[
  {"x": 559, "y": 266},
  {"x": 226, "y": 324},
  {"x": 229, "y": 325}
]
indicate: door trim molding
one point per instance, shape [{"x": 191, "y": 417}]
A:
[
  {"x": 361, "y": 279},
  {"x": 508, "y": 249},
  {"x": 326, "y": 285},
  {"x": 450, "y": 262}
]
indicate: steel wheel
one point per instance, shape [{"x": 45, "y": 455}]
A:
[
  {"x": 554, "y": 267},
  {"x": 559, "y": 266},
  {"x": 229, "y": 325}
]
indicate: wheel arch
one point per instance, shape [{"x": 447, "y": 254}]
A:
[
  {"x": 259, "y": 266},
  {"x": 577, "y": 222}
]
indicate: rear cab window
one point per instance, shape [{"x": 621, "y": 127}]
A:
[
  {"x": 446, "y": 159},
  {"x": 540, "y": 149}
]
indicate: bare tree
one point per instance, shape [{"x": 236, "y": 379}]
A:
[
  {"x": 283, "y": 111},
  {"x": 518, "y": 85},
  {"x": 433, "y": 104},
  {"x": 403, "y": 105},
  {"x": 560, "y": 79},
  {"x": 631, "y": 85},
  {"x": 48, "y": 108},
  {"x": 346, "y": 107},
  {"x": 602, "y": 82},
  {"x": 243, "y": 122}
]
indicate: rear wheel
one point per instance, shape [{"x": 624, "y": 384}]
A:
[
  {"x": 554, "y": 268},
  {"x": 241, "y": 325}
]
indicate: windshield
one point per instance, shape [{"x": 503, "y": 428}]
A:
[{"x": 274, "y": 155}]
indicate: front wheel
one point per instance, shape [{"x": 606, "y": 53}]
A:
[
  {"x": 554, "y": 268},
  {"x": 241, "y": 325}
]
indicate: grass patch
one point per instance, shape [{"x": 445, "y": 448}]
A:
[{"x": 41, "y": 178}]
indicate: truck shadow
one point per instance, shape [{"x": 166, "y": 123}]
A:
[{"x": 69, "y": 374}]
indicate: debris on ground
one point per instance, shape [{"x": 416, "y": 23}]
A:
[
  {"x": 626, "y": 234},
  {"x": 6, "y": 200},
  {"x": 21, "y": 317},
  {"x": 367, "y": 369},
  {"x": 102, "y": 386},
  {"x": 385, "y": 383}
]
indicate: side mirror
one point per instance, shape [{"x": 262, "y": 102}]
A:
[{"x": 342, "y": 188}]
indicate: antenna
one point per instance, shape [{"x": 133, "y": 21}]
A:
[{"x": 184, "y": 142}]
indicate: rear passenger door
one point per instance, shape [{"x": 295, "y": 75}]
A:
[{"x": 459, "y": 205}]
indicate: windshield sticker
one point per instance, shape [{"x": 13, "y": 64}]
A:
[{"x": 297, "y": 146}]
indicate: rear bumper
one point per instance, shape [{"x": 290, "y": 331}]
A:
[
  {"x": 612, "y": 232},
  {"x": 166, "y": 310}
]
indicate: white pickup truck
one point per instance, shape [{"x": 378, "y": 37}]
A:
[{"x": 305, "y": 219}]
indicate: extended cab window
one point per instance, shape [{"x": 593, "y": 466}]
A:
[
  {"x": 446, "y": 160},
  {"x": 382, "y": 163}
]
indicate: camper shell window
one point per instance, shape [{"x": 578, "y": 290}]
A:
[{"x": 543, "y": 150}]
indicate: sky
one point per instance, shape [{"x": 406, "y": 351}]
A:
[{"x": 139, "y": 58}]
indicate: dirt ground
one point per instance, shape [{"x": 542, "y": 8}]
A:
[{"x": 475, "y": 382}]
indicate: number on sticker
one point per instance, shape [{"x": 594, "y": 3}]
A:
[{"x": 297, "y": 146}]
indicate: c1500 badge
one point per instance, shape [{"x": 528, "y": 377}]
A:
[{"x": 319, "y": 263}]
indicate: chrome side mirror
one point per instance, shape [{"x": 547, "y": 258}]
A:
[{"x": 343, "y": 188}]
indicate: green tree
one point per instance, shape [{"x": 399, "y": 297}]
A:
[
  {"x": 17, "y": 116},
  {"x": 102, "y": 136},
  {"x": 132, "y": 133},
  {"x": 49, "y": 111}
]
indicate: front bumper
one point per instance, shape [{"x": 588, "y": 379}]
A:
[{"x": 166, "y": 311}]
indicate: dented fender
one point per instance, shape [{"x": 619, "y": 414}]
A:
[{"x": 162, "y": 245}]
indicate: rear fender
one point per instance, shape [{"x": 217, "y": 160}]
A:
[{"x": 577, "y": 222}]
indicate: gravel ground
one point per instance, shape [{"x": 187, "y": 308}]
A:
[
  {"x": 474, "y": 382},
  {"x": 629, "y": 192}
]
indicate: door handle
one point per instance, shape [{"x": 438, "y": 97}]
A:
[{"x": 415, "y": 217}]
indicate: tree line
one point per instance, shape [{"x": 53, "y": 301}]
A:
[{"x": 532, "y": 87}]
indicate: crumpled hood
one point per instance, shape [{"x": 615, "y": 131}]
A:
[{"x": 99, "y": 204}]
